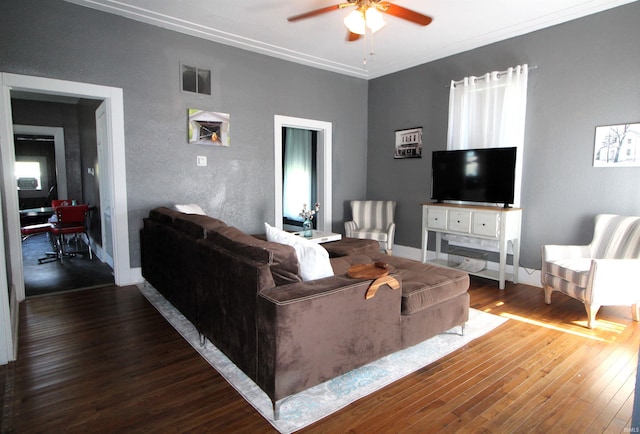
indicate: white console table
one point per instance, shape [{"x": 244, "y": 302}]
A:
[{"x": 484, "y": 222}]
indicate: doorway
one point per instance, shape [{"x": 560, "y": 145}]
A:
[
  {"x": 36, "y": 172},
  {"x": 48, "y": 157},
  {"x": 57, "y": 134},
  {"x": 299, "y": 176},
  {"x": 42, "y": 180},
  {"x": 323, "y": 133},
  {"x": 12, "y": 288}
]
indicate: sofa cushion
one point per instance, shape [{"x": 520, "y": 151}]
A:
[
  {"x": 282, "y": 259},
  {"x": 371, "y": 233},
  {"x": 197, "y": 225},
  {"x": 312, "y": 257},
  {"x": 351, "y": 247},
  {"x": 568, "y": 287},
  {"x": 573, "y": 270},
  {"x": 425, "y": 285},
  {"x": 570, "y": 275},
  {"x": 164, "y": 215},
  {"x": 342, "y": 264}
]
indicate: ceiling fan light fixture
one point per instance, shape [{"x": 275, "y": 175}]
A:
[
  {"x": 374, "y": 19},
  {"x": 355, "y": 22},
  {"x": 358, "y": 21}
]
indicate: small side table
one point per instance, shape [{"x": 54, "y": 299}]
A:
[{"x": 320, "y": 237}]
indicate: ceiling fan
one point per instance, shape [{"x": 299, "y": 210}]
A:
[{"x": 367, "y": 15}]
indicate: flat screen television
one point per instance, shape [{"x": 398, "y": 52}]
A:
[{"x": 474, "y": 175}]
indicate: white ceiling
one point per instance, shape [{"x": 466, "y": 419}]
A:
[{"x": 261, "y": 26}]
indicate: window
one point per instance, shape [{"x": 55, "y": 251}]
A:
[
  {"x": 489, "y": 112},
  {"x": 28, "y": 175}
]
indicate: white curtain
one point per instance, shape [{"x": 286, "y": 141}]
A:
[
  {"x": 489, "y": 112},
  {"x": 298, "y": 160}
]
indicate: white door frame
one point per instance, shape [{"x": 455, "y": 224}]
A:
[
  {"x": 104, "y": 182},
  {"x": 325, "y": 196},
  {"x": 7, "y": 310},
  {"x": 113, "y": 97}
]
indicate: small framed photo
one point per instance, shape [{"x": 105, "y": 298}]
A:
[
  {"x": 208, "y": 128},
  {"x": 617, "y": 146},
  {"x": 408, "y": 143}
]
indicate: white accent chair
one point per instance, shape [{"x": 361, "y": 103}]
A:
[
  {"x": 373, "y": 220},
  {"x": 604, "y": 273}
]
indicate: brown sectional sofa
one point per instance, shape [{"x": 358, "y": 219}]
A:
[{"x": 245, "y": 295}]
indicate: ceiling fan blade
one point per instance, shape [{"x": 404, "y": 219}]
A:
[
  {"x": 313, "y": 13},
  {"x": 352, "y": 36},
  {"x": 404, "y": 13}
]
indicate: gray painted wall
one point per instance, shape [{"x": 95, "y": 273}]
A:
[
  {"x": 588, "y": 75},
  {"x": 55, "y": 39}
]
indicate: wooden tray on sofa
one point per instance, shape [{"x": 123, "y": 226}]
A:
[{"x": 378, "y": 271}]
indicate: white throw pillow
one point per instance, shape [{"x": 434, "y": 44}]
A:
[
  {"x": 313, "y": 258},
  {"x": 190, "y": 208}
]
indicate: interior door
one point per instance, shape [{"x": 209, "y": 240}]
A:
[
  {"x": 104, "y": 182},
  {"x": 324, "y": 153}
]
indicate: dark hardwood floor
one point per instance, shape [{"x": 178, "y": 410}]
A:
[
  {"x": 52, "y": 276},
  {"x": 106, "y": 361}
]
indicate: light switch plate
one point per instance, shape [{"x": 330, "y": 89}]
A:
[{"x": 201, "y": 160}]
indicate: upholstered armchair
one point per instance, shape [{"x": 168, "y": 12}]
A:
[
  {"x": 373, "y": 220},
  {"x": 604, "y": 273}
]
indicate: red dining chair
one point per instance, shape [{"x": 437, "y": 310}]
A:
[
  {"x": 55, "y": 203},
  {"x": 71, "y": 220},
  {"x": 31, "y": 230}
]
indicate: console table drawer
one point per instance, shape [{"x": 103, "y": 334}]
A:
[
  {"x": 486, "y": 224},
  {"x": 437, "y": 218},
  {"x": 459, "y": 221}
]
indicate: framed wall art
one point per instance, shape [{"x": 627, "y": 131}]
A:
[
  {"x": 617, "y": 146},
  {"x": 208, "y": 128},
  {"x": 408, "y": 143}
]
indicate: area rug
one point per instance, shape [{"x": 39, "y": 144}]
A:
[{"x": 313, "y": 404}]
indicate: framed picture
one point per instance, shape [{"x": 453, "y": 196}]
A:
[
  {"x": 617, "y": 146},
  {"x": 408, "y": 143},
  {"x": 208, "y": 128}
]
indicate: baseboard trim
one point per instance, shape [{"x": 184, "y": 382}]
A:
[{"x": 134, "y": 277}]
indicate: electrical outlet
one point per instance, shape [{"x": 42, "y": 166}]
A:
[{"x": 201, "y": 161}]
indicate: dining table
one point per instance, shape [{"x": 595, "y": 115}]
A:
[{"x": 31, "y": 215}]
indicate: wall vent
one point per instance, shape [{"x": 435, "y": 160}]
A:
[{"x": 196, "y": 80}]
